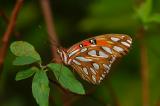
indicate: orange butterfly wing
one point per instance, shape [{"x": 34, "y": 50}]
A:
[{"x": 92, "y": 62}]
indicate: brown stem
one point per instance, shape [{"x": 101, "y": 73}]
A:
[
  {"x": 158, "y": 103},
  {"x": 144, "y": 68},
  {"x": 45, "y": 4},
  {"x": 9, "y": 31},
  {"x": 6, "y": 20}
]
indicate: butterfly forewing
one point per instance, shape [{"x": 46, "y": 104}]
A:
[{"x": 92, "y": 58}]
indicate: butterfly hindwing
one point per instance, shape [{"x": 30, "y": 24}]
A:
[{"x": 93, "y": 64}]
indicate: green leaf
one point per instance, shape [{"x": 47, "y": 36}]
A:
[
  {"x": 22, "y": 48},
  {"x": 144, "y": 10},
  {"x": 66, "y": 78},
  {"x": 24, "y": 60},
  {"x": 25, "y": 74},
  {"x": 40, "y": 88},
  {"x": 155, "y": 18}
]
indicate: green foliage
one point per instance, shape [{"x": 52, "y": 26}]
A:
[
  {"x": 66, "y": 78},
  {"x": 108, "y": 15},
  {"x": 40, "y": 88},
  {"x": 22, "y": 48},
  {"x": 144, "y": 13},
  {"x": 26, "y": 73},
  {"x": 155, "y": 18},
  {"x": 26, "y": 54},
  {"x": 24, "y": 60},
  {"x": 144, "y": 10}
]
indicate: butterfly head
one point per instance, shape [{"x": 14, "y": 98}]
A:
[{"x": 62, "y": 54}]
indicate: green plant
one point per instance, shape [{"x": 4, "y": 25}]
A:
[
  {"x": 145, "y": 15},
  {"x": 27, "y": 55}
]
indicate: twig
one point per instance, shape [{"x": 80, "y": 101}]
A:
[
  {"x": 45, "y": 4},
  {"x": 6, "y": 20},
  {"x": 9, "y": 30},
  {"x": 144, "y": 68}
]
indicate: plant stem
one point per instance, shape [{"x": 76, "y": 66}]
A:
[
  {"x": 9, "y": 31},
  {"x": 144, "y": 68},
  {"x": 45, "y": 4}
]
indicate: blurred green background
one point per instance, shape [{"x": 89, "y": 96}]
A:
[{"x": 78, "y": 20}]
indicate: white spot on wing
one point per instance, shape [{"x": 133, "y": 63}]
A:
[
  {"x": 100, "y": 79},
  {"x": 96, "y": 66},
  {"x": 61, "y": 55},
  {"x": 129, "y": 41},
  {"x": 105, "y": 72},
  {"x": 103, "y": 54},
  {"x": 123, "y": 36},
  {"x": 83, "y": 59},
  {"x": 107, "y": 49},
  {"x": 65, "y": 57},
  {"x": 115, "y": 39},
  {"x": 85, "y": 70},
  {"x": 93, "y": 71},
  {"x": 106, "y": 67},
  {"x": 69, "y": 61},
  {"x": 72, "y": 53},
  {"x": 83, "y": 50},
  {"x": 113, "y": 59},
  {"x": 92, "y": 52},
  {"x": 94, "y": 78},
  {"x": 126, "y": 44},
  {"x": 76, "y": 62},
  {"x": 103, "y": 75},
  {"x": 118, "y": 49}
]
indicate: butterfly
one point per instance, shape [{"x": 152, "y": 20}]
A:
[{"x": 92, "y": 58}]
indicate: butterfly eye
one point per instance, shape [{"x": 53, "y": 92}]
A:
[
  {"x": 92, "y": 41},
  {"x": 80, "y": 45}
]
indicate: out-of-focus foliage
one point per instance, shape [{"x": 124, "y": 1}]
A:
[
  {"x": 73, "y": 23},
  {"x": 108, "y": 15}
]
